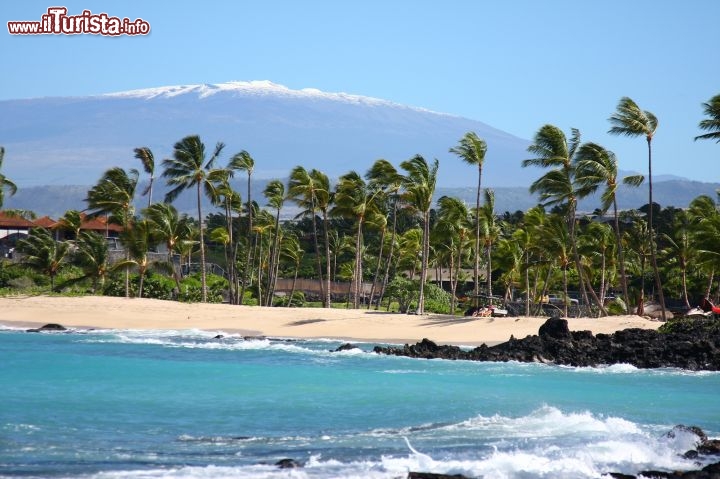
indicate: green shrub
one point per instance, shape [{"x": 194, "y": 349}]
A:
[
  {"x": 298, "y": 300},
  {"x": 403, "y": 291},
  {"x": 437, "y": 300},
  {"x": 191, "y": 288}
]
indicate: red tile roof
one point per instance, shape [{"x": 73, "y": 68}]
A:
[
  {"x": 98, "y": 223},
  {"x": 11, "y": 221},
  {"x": 45, "y": 222}
]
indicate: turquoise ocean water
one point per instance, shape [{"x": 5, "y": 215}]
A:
[{"x": 180, "y": 404}]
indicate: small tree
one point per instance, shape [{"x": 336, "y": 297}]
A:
[{"x": 43, "y": 254}]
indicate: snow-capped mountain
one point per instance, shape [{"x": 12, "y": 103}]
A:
[{"x": 72, "y": 140}]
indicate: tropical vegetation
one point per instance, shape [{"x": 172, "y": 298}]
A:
[{"x": 379, "y": 239}]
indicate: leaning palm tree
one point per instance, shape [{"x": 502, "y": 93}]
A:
[
  {"x": 471, "y": 150},
  {"x": 489, "y": 233},
  {"x": 419, "y": 184},
  {"x": 594, "y": 166},
  {"x": 91, "y": 254},
  {"x": 243, "y": 161},
  {"x": 5, "y": 183},
  {"x": 356, "y": 200},
  {"x": 171, "y": 229},
  {"x": 453, "y": 227},
  {"x": 558, "y": 187},
  {"x": 140, "y": 238},
  {"x": 275, "y": 194},
  {"x": 630, "y": 120},
  {"x": 291, "y": 250},
  {"x": 679, "y": 251},
  {"x": 145, "y": 155},
  {"x": 302, "y": 189},
  {"x": 113, "y": 195},
  {"x": 711, "y": 124},
  {"x": 704, "y": 215},
  {"x": 324, "y": 197},
  {"x": 189, "y": 167},
  {"x": 43, "y": 254},
  {"x": 382, "y": 175}
]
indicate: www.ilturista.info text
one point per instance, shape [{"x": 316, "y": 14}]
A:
[{"x": 57, "y": 22}]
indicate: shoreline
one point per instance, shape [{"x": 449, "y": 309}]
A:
[{"x": 106, "y": 312}]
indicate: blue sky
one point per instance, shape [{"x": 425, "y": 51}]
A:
[{"x": 514, "y": 64}]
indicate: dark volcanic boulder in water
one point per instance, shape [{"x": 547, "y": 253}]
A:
[
  {"x": 48, "y": 327},
  {"x": 345, "y": 347},
  {"x": 687, "y": 345},
  {"x": 288, "y": 464}
]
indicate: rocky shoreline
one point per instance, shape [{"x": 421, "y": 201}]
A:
[{"x": 692, "y": 344}]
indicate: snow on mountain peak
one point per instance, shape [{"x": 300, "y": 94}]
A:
[{"x": 258, "y": 88}]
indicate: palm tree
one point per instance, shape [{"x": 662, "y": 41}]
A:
[
  {"x": 679, "y": 250},
  {"x": 355, "y": 199},
  {"x": 558, "y": 187},
  {"x": 704, "y": 215},
  {"x": 186, "y": 169},
  {"x": 275, "y": 195},
  {"x": 113, "y": 195},
  {"x": 594, "y": 166},
  {"x": 243, "y": 161},
  {"x": 471, "y": 150},
  {"x": 630, "y": 120},
  {"x": 43, "y": 253},
  {"x": 290, "y": 250},
  {"x": 302, "y": 190},
  {"x": 453, "y": 227},
  {"x": 91, "y": 254},
  {"x": 71, "y": 222},
  {"x": 639, "y": 249},
  {"x": 557, "y": 242},
  {"x": 711, "y": 124},
  {"x": 226, "y": 197},
  {"x": 4, "y": 181},
  {"x": 324, "y": 197},
  {"x": 419, "y": 183},
  {"x": 171, "y": 229},
  {"x": 147, "y": 159},
  {"x": 140, "y": 238},
  {"x": 597, "y": 241},
  {"x": 489, "y": 234},
  {"x": 311, "y": 191},
  {"x": 382, "y": 175}
]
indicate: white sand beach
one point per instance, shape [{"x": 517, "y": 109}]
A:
[{"x": 344, "y": 324}]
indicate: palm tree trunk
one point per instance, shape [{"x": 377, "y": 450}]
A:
[
  {"x": 202, "y": 249},
  {"x": 230, "y": 261},
  {"x": 424, "y": 263},
  {"x": 488, "y": 251},
  {"x": 621, "y": 258},
  {"x": 376, "y": 276},
  {"x": 651, "y": 231},
  {"x": 327, "y": 259},
  {"x": 565, "y": 291},
  {"x": 386, "y": 276},
  {"x": 358, "y": 268},
  {"x": 292, "y": 289},
  {"x": 527, "y": 283},
  {"x": 476, "y": 266}
]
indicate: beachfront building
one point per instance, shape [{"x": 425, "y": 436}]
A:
[{"x": 12, "y": 228}]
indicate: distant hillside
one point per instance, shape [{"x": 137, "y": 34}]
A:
[
  {"x": 54, "y": 200},
  {"x": 73, "y": 140}
]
